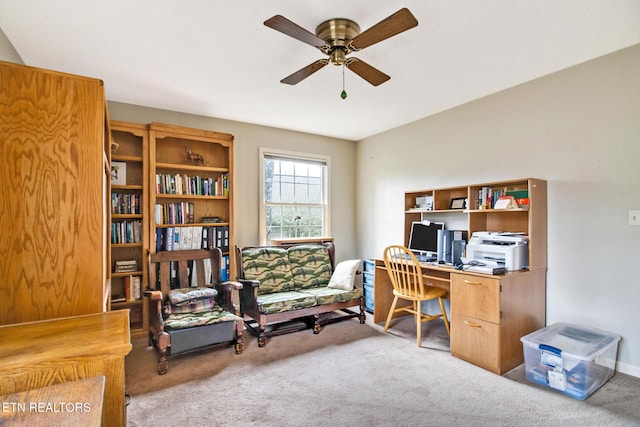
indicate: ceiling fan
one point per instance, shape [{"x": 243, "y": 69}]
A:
[{"x": 338, "y": 37}]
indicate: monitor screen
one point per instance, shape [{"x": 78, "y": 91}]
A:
[{"x": 424, "y": 236}]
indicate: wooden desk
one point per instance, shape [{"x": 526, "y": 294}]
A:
[
  {"x": 76, "y": 403},
  {"x": 45, "y": 353},
  {"x": 488, "y": 314}
]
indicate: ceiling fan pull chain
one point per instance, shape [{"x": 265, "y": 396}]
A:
[{"x": 343, "y": 95}]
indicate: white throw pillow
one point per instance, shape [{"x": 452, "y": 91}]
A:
[{"x": 344, "y": 275}]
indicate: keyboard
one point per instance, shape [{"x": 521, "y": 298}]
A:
[{"x": 426, "y": 258}]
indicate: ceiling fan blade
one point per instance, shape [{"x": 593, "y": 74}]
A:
[
  {"x": 305, "y": 72},
  {"x": 400, "y": 21},
  {"x": 366, "y": 71},
  {"x": 291, "y": 29}
]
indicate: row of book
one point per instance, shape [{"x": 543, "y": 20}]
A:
[
  {"x": 488, "y": 196},
  {"x": 192, "y": 185},
  {"x": 126, "y": 203},
  {"x": 195, "y": 237},
  {"x": 126, "y": 231},
  {"x": 174, "y": 213},
  {"x": 131, "y": 290}
]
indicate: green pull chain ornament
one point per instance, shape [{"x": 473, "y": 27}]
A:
[{"x": 343, "y": 94}]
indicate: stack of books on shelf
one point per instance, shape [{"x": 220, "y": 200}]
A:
[
  {"x": 192, "y": 185},
  {"x": 126, "y": 266}
]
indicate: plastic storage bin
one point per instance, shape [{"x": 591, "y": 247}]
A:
[{"x": 572, "y": 359}]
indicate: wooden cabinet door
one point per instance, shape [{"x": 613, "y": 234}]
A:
[{"x": 52, "y": 197}]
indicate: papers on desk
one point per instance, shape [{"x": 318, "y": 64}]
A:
[{"x": 484, "y": 266}]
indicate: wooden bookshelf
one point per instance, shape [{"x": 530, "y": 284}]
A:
[
  {"x": 129, "y": 211},
  {"x": 191, "y": 175},
  {"x": 529, "y": 218}
]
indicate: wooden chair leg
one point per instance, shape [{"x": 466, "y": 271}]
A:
[
  {"x": 316, "y": 323},
  {"x": 391, "y": 311},
  {"x": 163, "y": 345},
  {"x": 362, "y": 316},
  {"x": 239, "y": 344},
  {"x": 262, "y": 337},
  {"x": 444, "y": 316}
]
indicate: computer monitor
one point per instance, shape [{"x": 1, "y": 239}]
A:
[{"x": 424, "y": 237}]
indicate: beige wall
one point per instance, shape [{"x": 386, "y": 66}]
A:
[
  {"x": 580, "y": 130},
  {"x": 248, "y": 138},
  {"x": 7, "y": 52}
]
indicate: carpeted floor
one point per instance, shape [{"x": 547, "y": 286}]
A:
[{"x": 352, "y": 374}]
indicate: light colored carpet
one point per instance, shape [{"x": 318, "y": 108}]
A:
[{"x": 352, "y": 374}]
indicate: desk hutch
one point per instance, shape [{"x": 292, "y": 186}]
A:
[{"x": 489, "y": 313}]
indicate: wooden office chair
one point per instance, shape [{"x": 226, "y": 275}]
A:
[{"x": 405, "y": 274}]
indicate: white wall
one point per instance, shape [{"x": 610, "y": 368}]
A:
[
  {"x": 247, "y": 139},
  {"x": 579, "y": 129}
]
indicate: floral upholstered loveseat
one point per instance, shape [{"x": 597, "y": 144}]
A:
[{"x": 283, "y": 284}]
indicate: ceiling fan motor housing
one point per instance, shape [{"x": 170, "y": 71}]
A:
[{"x": 338, "y": 33}]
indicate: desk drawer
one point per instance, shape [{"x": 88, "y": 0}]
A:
[
  {"x": 368, "y": 266},
  {"x": 475, "y": 296},
  {"x": 476, "y": 341}
]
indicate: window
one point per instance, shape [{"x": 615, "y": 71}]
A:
[{"x": 293, "y": 195}]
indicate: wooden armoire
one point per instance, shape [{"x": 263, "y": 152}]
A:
[{"x": 53, "y": 185}]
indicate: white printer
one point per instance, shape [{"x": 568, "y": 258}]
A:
[{"x": 510, "y": 250}]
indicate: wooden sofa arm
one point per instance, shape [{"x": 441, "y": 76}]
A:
[
  {"x": 226, "y": 292},
  {"x": 233, "y": 284},
  {"x": 153, "y": 295},
  {"x": 156, "y": 322}
]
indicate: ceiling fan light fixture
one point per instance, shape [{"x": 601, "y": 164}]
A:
[{"x": 338, "y": 56}]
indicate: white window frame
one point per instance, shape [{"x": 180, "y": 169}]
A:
[{"x": 294, "y": 155}]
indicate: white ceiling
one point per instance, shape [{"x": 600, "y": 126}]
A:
[{"x": 216, "y": 58}]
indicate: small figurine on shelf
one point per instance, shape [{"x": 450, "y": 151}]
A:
[{"x": 193, "y": 157}]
